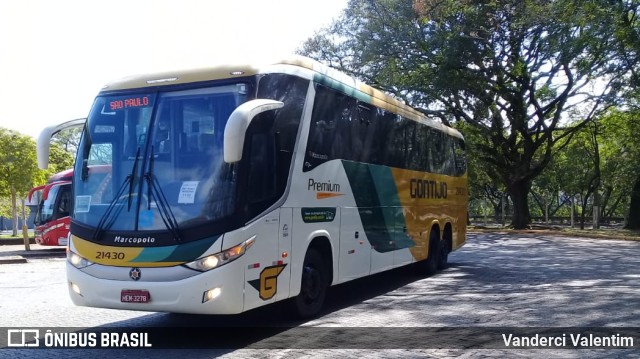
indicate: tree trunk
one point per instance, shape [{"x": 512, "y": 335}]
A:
[
  {"x": 633, "y": 221},
  {"x": 519, "y": 192},
  {"x": 14, "y": 211},
  {"x": 583, "y": 204}
]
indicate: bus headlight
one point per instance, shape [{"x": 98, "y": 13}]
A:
[
  {"x": 76, "y": 260},
  {"x": 219, "y": 259}
]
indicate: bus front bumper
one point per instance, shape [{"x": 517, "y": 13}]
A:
[{"x": 220, "y": 291}]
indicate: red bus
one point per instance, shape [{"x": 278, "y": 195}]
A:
[
  {"x": 52, "y": 218},
  {"x": 52, "y": 215}
]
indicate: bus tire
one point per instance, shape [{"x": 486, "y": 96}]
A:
[
  {"x": 443, "y": 256},
  {"x": 313, "y": 288},
  {"x": 429, "y": 266}
]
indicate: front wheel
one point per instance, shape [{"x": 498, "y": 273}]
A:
[{"x": 313, "y": 287}]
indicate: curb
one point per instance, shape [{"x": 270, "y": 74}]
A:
[
  {"x": 22, "y": 256},
  {"x": 12, "y": 260},
  {"x": 14, "y": 241},
  {"x": 45, "y": 253}
]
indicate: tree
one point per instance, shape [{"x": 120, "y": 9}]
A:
[
  {"x": 548, "y": 191},
  {"x": 619, "y": 151},
  {"x": 500, "y": 66},
  {"x": 19, "y": 169},
  {"x": 627, "y": 34},
  {"x": 620, "y": 171},
  {"x": 583, "y": 163},
  {"x": 598, "y": 167},
  {"x": 484, "y": 185}
]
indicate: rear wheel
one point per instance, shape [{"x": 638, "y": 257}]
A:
[
  {"x": 313, "y": 287},
  {"x": 429, "y": 266},
  {"x": 433, "y": 259},
  {"x": 443, "y": 257}
]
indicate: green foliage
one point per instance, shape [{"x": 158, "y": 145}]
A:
[
  {"x": 19, "y": 171},
  {"x": 6, "y": 209},
  {"x": 18, "y": 162},
  {"x": 621, "y": 152},
  {"x": 501, "y": 66},
  {"x": 602, "y": 160}
]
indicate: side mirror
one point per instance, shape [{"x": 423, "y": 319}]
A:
[
  {"x": 239, "y": 121},
  {"x": 44, "y": 140}
]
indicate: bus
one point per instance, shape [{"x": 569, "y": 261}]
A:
[
  {"x": 236, "y": 186},
  {"x": 52, "y": 210},
  {"x": 53, "y": 205}
]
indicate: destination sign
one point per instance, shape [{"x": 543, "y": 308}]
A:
[{"x": 129, "y": 102}]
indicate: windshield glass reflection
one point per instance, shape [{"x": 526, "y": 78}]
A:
[{"x": 154, "y": 161}]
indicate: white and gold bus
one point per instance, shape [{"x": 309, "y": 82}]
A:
[{"x": 237, "y": 186}]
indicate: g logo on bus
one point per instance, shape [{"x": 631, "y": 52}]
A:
[
  {"x": 267, "y": 285},
  {"x": 135, "y": 274}
]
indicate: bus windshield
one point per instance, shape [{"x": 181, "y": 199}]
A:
[
  {"x": 160, "y": 160},
  {"x": 56, "y": 205}
]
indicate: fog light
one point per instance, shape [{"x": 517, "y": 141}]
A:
[
  {"x": 211, "y": 294},
  {"x": 75, "y": 288}
]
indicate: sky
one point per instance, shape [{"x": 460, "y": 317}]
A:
[{"x": 55, "y": 56}]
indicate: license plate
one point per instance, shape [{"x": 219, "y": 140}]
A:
[{"x": 134, "y": 296}]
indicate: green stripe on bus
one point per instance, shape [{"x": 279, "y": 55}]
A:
[
  {"x": 179, "y": 253},
  {"x": 378, "y": 205}
]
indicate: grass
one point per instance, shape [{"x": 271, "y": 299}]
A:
[{"x": 19, "y": 236}]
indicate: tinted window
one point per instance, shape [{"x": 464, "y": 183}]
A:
[
  {"x": 271, "y": 140},
  {"x": 344, "y": 128}
]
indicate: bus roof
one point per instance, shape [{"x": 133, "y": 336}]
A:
[
  {"x": 61, "y": 176},
  {"x": 321, "y": 73}
]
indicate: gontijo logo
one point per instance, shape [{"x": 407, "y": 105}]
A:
[
  {"x": 427, "y": 189},
  {"x": 324, "y": 189}
]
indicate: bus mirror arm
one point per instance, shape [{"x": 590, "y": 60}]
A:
[
  {"x": 44, "y": 140},
  {"x": 239, "y": 121}
]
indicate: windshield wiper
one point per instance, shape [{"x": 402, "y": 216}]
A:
[
  {"x": 154, "y": 188},
  {"x": 132, "y": 179},
  {"x": 107, "y": 214}
]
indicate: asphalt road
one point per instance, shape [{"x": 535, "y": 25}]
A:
[{"x": 497, "y": 281}]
